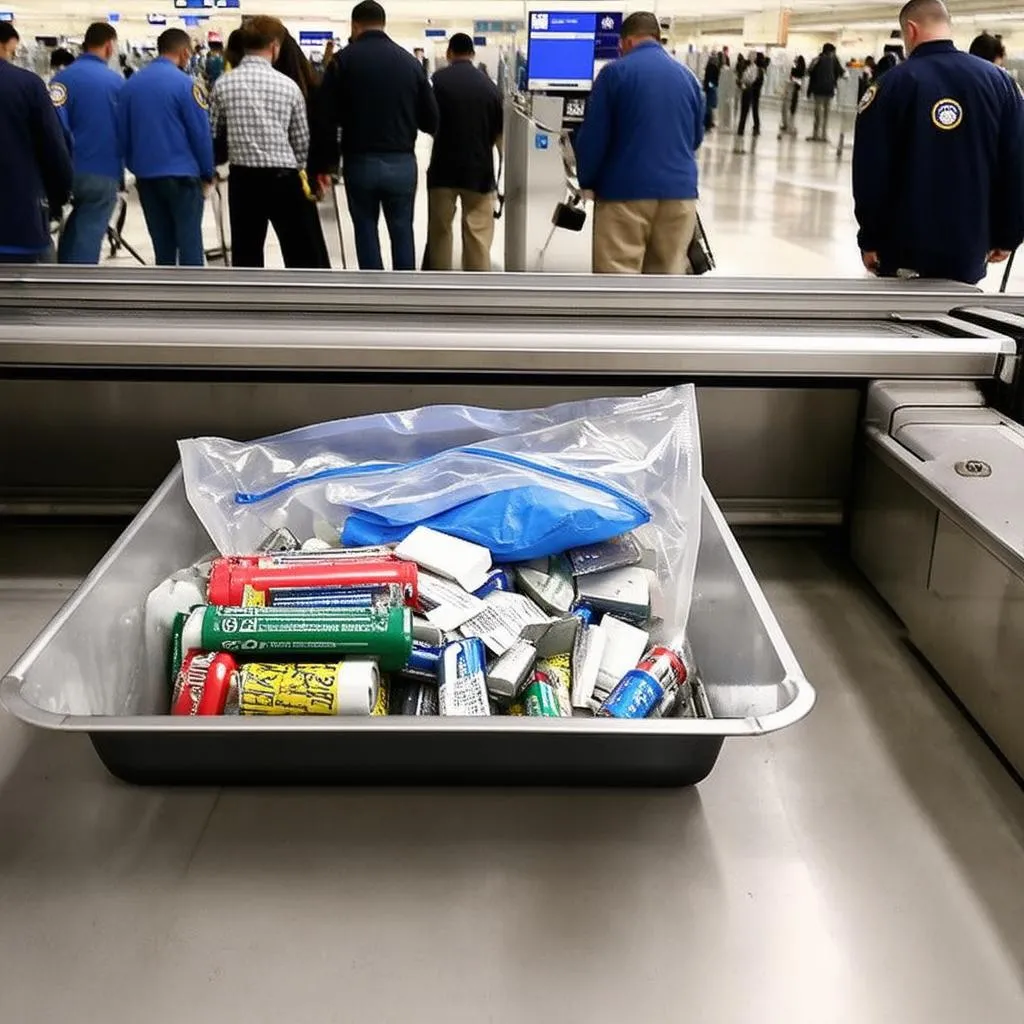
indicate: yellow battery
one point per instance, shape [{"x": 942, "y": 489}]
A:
[
  {"x": 253, "y": 598},
  {"x": 350, "y": 687}
]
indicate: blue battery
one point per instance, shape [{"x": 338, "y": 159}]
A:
[
  {"x": 584, "y": 613},
  {"x": 636, "y": 695},
  {"x": 389, "y": 594},
  {"x": 497, "y": 579},
  {"x": 424, "y": 662},
  {"x": 463, "y": 679}
]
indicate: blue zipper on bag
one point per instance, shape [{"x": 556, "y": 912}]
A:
[{"x": 254, "y": 498}]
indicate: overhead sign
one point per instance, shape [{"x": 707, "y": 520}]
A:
[
  {"x": 436, "y": 33},
  {"x": 315, "y": 38},
  {"x": 156, "y": 19},
  {"x": 192, "y": 5},
  {"x": 230, "y": 5},
  {"x": 483, "y": 27},
  {"x": 6, "y": 15},
  {"x": 113, "y": 17},
  {"x": 479, "y": 40}
]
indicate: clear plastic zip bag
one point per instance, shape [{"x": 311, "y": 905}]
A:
[{"x": 524, "y": 483}]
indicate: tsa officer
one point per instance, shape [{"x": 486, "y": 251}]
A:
[
  {"x": 35, "y": 167},
  {"x": 164, "y": 132},
  {"x": 938, "y": 160},
  {"x": 85, "y": 96}
]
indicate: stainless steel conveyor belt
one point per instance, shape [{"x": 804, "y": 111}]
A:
[{"x": 831, "y": 874}]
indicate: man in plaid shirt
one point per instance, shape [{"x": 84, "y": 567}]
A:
[{"x": 263, "y": 115}]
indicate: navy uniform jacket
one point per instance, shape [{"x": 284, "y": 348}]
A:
[
  {"x": 35, "y": 166},
  {"x": 163, "y": 124},
  {"x": 85, "y": 95},
  {"x": 938, "y": 165},
  {"x": 378, "y": 94}
]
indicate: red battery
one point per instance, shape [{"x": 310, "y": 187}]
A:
[
  {"x": 204, "y": 684},
  {"x": 229, "y": 577}
]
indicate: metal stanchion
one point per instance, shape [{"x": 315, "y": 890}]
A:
[
  {"x": 1008, "y": 272},
  {"x": 115, "y": 238},
  {"x": 223, "y": 252},
  {"x": 337, "y": 221}
]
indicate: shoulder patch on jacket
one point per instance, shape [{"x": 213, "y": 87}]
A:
[
  {"x": 199, "y": 95},
  {"x": 58, "y": 94},
  {"x": 868, "y": 98}
]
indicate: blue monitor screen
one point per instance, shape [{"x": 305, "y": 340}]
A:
[{"x": 560, "y": 55}]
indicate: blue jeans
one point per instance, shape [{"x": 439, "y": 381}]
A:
[
  {"x": 173, "y": 208},
  {"x": 382, "y": 180},
  {"x": 92, "y": 202}
]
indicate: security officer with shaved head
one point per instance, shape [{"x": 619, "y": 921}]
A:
[
  {"x": 164, "y": 131},
  {"x": 938, "y": 159},
  {"x": 85, "y": 96}
]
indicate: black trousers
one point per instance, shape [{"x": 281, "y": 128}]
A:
[
  {"x": 259, "y": 197},
  {"x": 750, "y": 104}
]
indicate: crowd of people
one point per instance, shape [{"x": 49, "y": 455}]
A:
[
  {"x": 938, "y": 164},
  {"x": 938, "y": 157},
  {"x": 259, "y": 107},
  {"x": 819, "y": 79}
]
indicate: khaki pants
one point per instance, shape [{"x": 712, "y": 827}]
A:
[
  {"x": 822, "y": 105},
  {"x": 477, "y": 228},
  {"x": 643, "y": 236}
]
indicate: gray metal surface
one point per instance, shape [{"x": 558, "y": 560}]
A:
[
  {"x": 879, "y": 846},
  {"x": 962, "y": 605},
  {"x": 501, "y": 324},
  {"x": 933, "y": 447},
  {"x": 90, "y": 670},
  {"x": 564, "y": 295},
  {"x": 491, "y": 348},
  {"x": 937, "y": 528}
]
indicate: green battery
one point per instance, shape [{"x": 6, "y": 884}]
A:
[
  {"x": 381, "y": 633},
  {"x": 540, "y": 698}
]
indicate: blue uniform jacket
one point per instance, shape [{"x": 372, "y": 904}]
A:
[
  {"x": 85, "y": 96},
  {"x": 938, "y": 165},
  {"x": 643, "y": 126},
  {"x": 164, "y": 124},
  {"x": 35, "y": 166}
]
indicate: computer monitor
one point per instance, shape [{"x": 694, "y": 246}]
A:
[{"x": 565, "y": 49}]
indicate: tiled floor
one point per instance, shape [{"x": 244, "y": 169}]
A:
[{"x": 783, "y": 208}]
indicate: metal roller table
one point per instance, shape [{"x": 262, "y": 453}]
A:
[{"x": 865, "y": 865}]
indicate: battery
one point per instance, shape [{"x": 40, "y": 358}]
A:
[
  {"x": 388, "y": 595},
  {"x": 418, "y": 697},
  {"x": 424, "y": 662},
  {"x": 508, "y": 674},
  {"x": 280, "y": 540},
  {"x": 540, "y": 697},
  {"x": 381, "y": 633},
  {"x": 642, "y": 690},
  {"x": 463, "y": 679},
  {"x": 350, "y": 687},
  {"x": 497, "y": 579},
  {"x": 205, "y": 683},
  {"x": 230, "y": 576}
]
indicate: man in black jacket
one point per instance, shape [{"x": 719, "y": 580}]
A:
[
  {"x": 35, "y": 166},
  {"x": 379, "y": 96},
  {"x": 822, "y": 79},
  {"x": 462, "y": 164}
]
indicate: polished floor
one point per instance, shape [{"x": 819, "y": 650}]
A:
[
  {"x": 781, "y": 209},
  {"x": 863, "y": 867}
]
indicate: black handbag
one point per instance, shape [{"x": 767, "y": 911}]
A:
[{"x": 701, "y": 258}]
